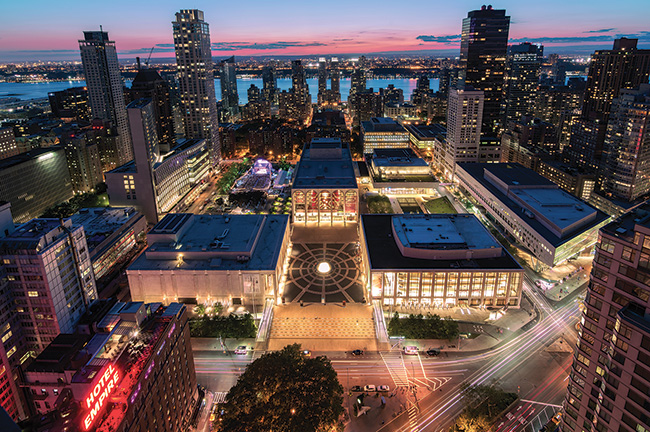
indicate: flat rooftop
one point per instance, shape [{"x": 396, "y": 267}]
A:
[
  {"x": 382, "y": 124},
  {"x": 624, "y": 225},
  {"x": 58, "y": 355},
  {"x": 529, "y": 192},
  {"x": 464, "y": 230},
  {"x": 214, "y": 242},
  {"x": 427, "y": 133},
  {"x": 36, "y": 153},
  {"x": 101, "y": 222},
  {"x": 442, "y": 231},
  {"x": 398, "y": 157},
  {"x": 325, "y": 163}
]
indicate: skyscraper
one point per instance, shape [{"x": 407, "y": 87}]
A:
[
  {"x": 627, "y": 145},
  {"x": 149, "y": 84},
  {"x": 335, "y": 76},
  {"x": 357, "y": 81},
  {"x": 624, "y": 66},
  {"x": 483, "y": 49},
  {"x": 610, "y": 378},
  {"x": 196, "y": 79},
  {"x": 106, "y": 90},
  {"x": 464, "y": 114},
  {"x": 523, "y": 66},
  {"x": 322, "y": 77},
  {"x": 229, "y": 96},
  {"x": 270, "y": 83}
]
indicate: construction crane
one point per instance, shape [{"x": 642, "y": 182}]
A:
[{"x": 146, "y": 63}]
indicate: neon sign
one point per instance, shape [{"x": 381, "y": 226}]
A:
[{"x": 102, "y": 389}]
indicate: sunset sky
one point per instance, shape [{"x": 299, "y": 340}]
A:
[{"x": 49, "y": 30}]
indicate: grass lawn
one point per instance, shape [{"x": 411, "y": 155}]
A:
[{"x": 439, "y": 206}]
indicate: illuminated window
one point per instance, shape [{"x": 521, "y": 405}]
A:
[
  {"x": 32, "y": 293},
  {"x": 11, "y": 352},
  {"x": 5, "y": 337}
]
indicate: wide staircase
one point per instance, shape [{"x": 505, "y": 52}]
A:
[{"x": 331, "y": 327}]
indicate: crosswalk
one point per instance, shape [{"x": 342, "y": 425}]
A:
[
  {"x": 413, "y": 418},
  {"x": 395, "y": 364},
  {"x": 220, "y": 397}
]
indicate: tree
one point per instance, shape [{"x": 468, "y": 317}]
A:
[{"x": 284, "y": 391}]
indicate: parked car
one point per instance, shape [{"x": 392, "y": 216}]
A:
[
  {"x": 242, "y": 349},
  {"x": 433, "y": 352},
  {"x": 306, "y": 353},
  {"x": 369, "y": 388},
  {"x": 383, "y": 388},
  {"x": 411, "y": 350},
  {"x": 356, "y": 388},
  {"x": 357, "y": 352}
]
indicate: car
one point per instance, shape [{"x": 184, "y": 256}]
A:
[
  {"x": 369, "y": 388},
  {"x": 306, "y": 353},
  {"x": 411, "y": 350},
  {"x": 433, "y": 352},
  {"x": 242, "y": 349},
  {"x": 383, "y": 388},
  {"x": 357, "y": 352},
  {"x": 356, "y": 388}
]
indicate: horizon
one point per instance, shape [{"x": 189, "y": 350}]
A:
[{"x": 289, "y": 30}]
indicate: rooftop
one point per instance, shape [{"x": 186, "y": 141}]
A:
[
  {"x": 430, "y": 232},
  {"x": 424, "y": 132},
  {"x": 34, "y": 154},
  {"x": 213, "y": 242},
  {"x": 325, "y": 163},
  {"x": 59, "y": 354},
  {"x": 553, "y": 213},
  {"x": 625, "y": 225},
  {"x": 397, "y": 157},
  {"x": 101, "y": 222},
  {"x": 35, "y": 234},
  {"x": 382, "y": 124}
]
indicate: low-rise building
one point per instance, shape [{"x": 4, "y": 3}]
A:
[
  {"x": 382, "y": 133},
  {"x": 232, "y": 259},
  {"x": 111, "y": 232},
  {"x": 441, "y": 260},
  {"x": 423, "y": 137},
  {"x": 397, "y": 109},
  {"x": 552, "y": 224},
  {"x": 325, "y": 191},
  {"x": 573, "y": 180},
  {"x": 137, "y": 373}
]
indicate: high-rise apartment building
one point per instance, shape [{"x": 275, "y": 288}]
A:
[
  {"x": 483, "y": 49},
  {"x": 296, "y": 103},
  {"x": 196, "y": 79},
  {"x": 50, "y": 278},
  {"x": 610, "y": 378},
  {"x": 357, "y": 81},
  {"x": 70, "y": 104},
  {"x": 523, "y": 67},
  {"x": 627, "y": 145},
  {"x": 229, "y": 95},
  {"x": 84, "y": 163},
  {"x": 270, "y": 83},
  {"x": 624, "y": 66},
  {"x": 106, "y": 89},
  {"x": 322, "y": 76},
  {"x": 149, "y": 84},
  {"x": 464, "y": 123}
]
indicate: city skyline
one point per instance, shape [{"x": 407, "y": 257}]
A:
[{"x": 268, "y": 30}]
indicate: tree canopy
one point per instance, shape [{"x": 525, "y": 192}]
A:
[
  {"x": 423, "y": 327},
  {"x": 284, "y": 391}
]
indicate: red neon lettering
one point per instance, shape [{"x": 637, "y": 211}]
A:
[{"x": 102, "y": 389}]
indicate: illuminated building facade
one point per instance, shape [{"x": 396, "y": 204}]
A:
[
  {"x": 229, "y": 96},
  {"x": 195, "y": 79},
  {"x": 324, "y": 190},
  {"x": 627, "y": 145},
  {"x": 34, "y": 181},
  {"x": 483, "y": 50},
  {"x": 232, "y": 259},
  {"x": 464, "y": 123},
  {"x": 523, "y": 66},
  {"x": 70, "y": 104},
  {"x": 135, "y": 374},
  {"x": 610, "y": 378},
  {"x": 106, "y": 89},
  {"x": 8, "y": 146},
  {"x": 442, "y": 260},
  {"x": 550, "y": 223},
  {"x": 383, "y": 133},
  {"x": 84, "y": 162},
  {"x": 111, "y": 232}
]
